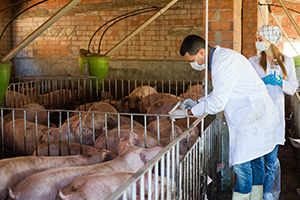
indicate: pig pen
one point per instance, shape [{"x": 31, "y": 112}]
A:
[{"x": 171, "y": 175}]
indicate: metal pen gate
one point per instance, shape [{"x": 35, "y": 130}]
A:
[
  {"x": 186, "y": 178},
  {"x": 183, "y": 181}
]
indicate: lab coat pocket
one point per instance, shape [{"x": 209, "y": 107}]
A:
[{"x": 246, "y": 119}]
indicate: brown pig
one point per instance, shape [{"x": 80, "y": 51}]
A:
[
  {"x": 125, "y": 131},
  {"x": 100, "y": 118},
  {"x": 16, "y": 99},
  {"x": 32, "y": 108},
  {"x": 99, "y": 109},
  {"x": 197, "y": 89},
  {"x": 54, "y": 149},
  {"x": 45, "y": 185},
  {"x": 148, "y": 100},
  {"x": 16, "y": 129},
  {"x": 14, "y": 170},
  {"x": 57, "y": 99},
  {"x": 162, "y": 106},
  {"x": 192, "y": 95},
  {"x": 165, "y": 131},
  {"x": 132, "y": 100},
  {"x": 71, "y": 131}
]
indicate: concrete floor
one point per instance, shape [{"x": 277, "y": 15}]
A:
[{"x": 289, "y": 175}]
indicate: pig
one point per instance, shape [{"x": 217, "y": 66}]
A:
[
  {"x": 73, "y": 133},
  {"x": 162, "y": 106},
  {"x": 99, "y": 119},
  {"x": 195, "y": 89},
  {"x": 132, "y": 100},
  {"x": 125, "y": 132},
  {"x": 57, "y": 99},
  {"x": 15, "y": 99},
  {"x": 45, "y": 185},
  {"x": 165, "y": 131},
  {"x": 54, "y": 149},
  {"x": 42, "y": 117},
  {"x": 96, "y": 186},
  {"x": 192, "y": 95},
  {"x": 148, "y": 100},
  {"x": 14, "y": 170},
  {"x": 42, "y": 135},
  {"x": 101, "y": 185},
  {"x": 183, "y": 123},
  {"x": 84, "y": 107},
  {"x": 19, "y": 136}
]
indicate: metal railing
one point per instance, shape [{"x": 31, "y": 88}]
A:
[
  {"x": 176, "y": 178},
  {"x": 168, "y": 176}
]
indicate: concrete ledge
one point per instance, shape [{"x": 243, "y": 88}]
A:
[{"x": 133, "y": 69}]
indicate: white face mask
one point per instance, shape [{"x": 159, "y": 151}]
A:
[
  {"x": 196, "y": 66},
  {"x": 261, "y": 46}
]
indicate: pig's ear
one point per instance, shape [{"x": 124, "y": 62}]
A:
[
  {"x": 139, "y": 98},
  {"x": 91, "y": 149},
  {"x": 12, "y": 195},
  {"x": 64, "y": 197},
  {"x": 107, "y": 156},
  {"x": 123, "y": 145},
  {"x": 125, "y": 98},
  {"x": 134, "y": 139},
  {"x": 177, "y": 132}
]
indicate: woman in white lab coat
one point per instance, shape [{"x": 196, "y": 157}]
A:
[
  {"x": 254, "y": 128},
  {"x": 267, "y": 37}
]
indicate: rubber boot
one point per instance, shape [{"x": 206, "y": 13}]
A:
[
  {"x": 240, "y": 196},
  {"x": 257, "y": 192}
]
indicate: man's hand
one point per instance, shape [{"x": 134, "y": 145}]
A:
[
  {"x": 179, "y": 113},
  {"x": 188, "y": 104}
]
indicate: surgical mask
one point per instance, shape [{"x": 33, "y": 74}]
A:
[
  {"x": 261, "y": 46},
  {"x": 196, "y": 66}
]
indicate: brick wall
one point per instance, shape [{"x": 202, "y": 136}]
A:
[
  {"x": 5, "y": 44},
  {"x": 284, "y": 20},
  {"x": 252, "y": 20},
  {"x": 158, "y": 41},
  {"x": 224, "y": 23}
]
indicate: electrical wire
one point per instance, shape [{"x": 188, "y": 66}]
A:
[
  {"x": 19, "y": 15},
  {"x": 11, "y": 5},
  {"x": 111, "y": 21},
  {"x": 118, "y": 21}
]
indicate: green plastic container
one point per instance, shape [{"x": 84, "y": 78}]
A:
[
  {"x": 98, "y": 66},
  {"x": 297, "y": 61},
  {"x": 297, "y": 66},
  {"x": 4, "y": 78}
]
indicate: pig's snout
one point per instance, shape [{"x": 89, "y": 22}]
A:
[{"x": 107, "y": 156}]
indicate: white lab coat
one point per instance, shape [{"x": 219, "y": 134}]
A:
[
  {"x": 253, "y": 122},
  {"x": 289, "y": 86}
]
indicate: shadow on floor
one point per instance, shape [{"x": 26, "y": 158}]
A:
[{"x": 289, "y": 175}]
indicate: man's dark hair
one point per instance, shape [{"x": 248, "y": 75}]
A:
[{"x": 192, "y": 44}]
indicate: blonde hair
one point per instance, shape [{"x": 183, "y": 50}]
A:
[{"x": 277, "y": 55}]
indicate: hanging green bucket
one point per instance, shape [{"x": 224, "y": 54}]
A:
[
  {"x": 98, "y": 66},
  {"x": 297, "y": 66},
  {"x": 4, "y": 79}
]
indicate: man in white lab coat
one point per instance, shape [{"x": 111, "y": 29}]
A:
[{"x": 253, "y": 122}]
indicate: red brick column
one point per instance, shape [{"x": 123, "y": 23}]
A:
[
  {"x": 249, "y": 23},
  {"x": 224, "y": 25}
]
